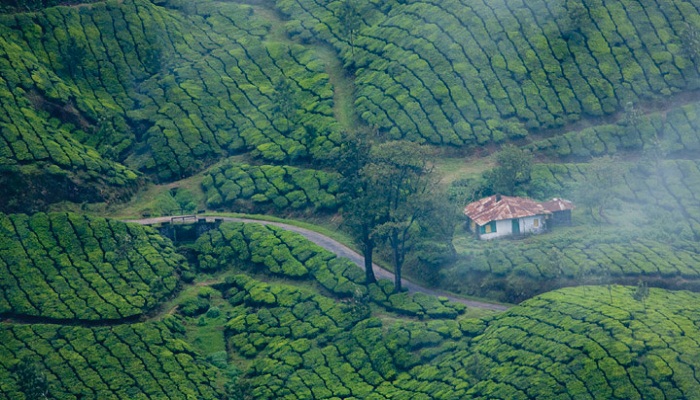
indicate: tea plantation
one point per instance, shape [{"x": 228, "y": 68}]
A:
[
  {"x": 119, "y": 108},
  {"x": 465, "y": 72},
  {"x": 165, "y": 91},
  {"x": 283, "y": 187},
  {"x": 147, "y": 360},
  {"x": 285, "y": 336},
  {"x": 71, "y": 267}
]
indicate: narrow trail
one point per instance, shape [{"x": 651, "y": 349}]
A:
[
  {"x": 343, "y": 88},
  {"x": 341, "y": 251}
]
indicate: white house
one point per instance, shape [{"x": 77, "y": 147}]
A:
[{"x": 498, "y": 216}]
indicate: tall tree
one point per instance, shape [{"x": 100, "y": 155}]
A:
[
  {"x": 513, "y": 168},
  {"x": 400, "y": 179},
  {"x": 361, "y": 210},
  {"x": 350, "y": 22}
]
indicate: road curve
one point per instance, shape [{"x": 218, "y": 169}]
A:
[{"x": 341, "y": 251}]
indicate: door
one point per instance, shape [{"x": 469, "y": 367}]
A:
[{"x": 516, "y": 227}]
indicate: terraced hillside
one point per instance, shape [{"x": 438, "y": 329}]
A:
[
  {"x": 263, "y": 330},
  {"x": 70, "y": 267},
  {"x": 252, "y": 103},
  {"x": 576, "y": 343},
  {"x": 99, "y": 92},
  {"x": 468, "y": 72},
  {"x": 163, "y": 91}
]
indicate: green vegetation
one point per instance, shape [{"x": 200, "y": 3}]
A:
[
  {"x": 472, "y": 72},
  {"x": 194, "y": 104},
  {"x": 574, "y": 343},
  {"x": 143, "y": 360},
  {"x": 70, "y": 267},
  {"x": 587, "y": 342},
  {"x": 634, "y": 220},
  {"x": 665, "y": 189},
  {"x": 656, "y": 134},
  {"x": 517, "y": 270},
  {"x": 131, "y": 88},
  {"x": 256, "y": 248},
  {"x": 247, "y": 187}
]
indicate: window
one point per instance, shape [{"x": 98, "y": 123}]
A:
[
  {"x": 536, "y": 223},
  {"x": 488, "y": 228}
]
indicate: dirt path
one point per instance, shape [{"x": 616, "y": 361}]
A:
[{"x": 341, "y": 251}]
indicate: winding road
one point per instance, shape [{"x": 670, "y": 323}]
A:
[{"x": 340, "y": 250}]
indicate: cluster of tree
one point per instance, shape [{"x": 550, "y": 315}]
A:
[
  {"x": 393, "y": 200},
  {"x": 511, "y": 176}
]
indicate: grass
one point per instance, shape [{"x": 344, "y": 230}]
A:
[{"x": 451, "y": 169}]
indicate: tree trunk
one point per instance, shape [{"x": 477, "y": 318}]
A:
[
  {"x": 369, "y": 271},
  {"x": 397, "y": 268}
]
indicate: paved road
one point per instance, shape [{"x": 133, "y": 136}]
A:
[{"x": 342, "y": 251}]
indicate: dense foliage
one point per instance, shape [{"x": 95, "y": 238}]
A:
[
  {"x": 466, "y": 72},
  {"x": 281, "y": 253},
  {"x": 591, "y": 342},
  {"x": 71, "y": 267},
  {"x": 249, "y": 187},
  {"x": 579, "y": 343},
  {"x": 146, "y": 360},
  {"x": 305, "y": 345},
  {"x": 162, "y": 90},
  {"x": 660, "y": 134}
]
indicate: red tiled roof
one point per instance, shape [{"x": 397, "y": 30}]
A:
[
  {"x": 490, "y": 209},
  {"x": 555, "y": 205}
]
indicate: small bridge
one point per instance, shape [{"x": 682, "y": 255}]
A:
[
  {"x": 183, "y": 228},
  {"x": 184, "y": 219}
]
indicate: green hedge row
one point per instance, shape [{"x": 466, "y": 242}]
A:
[
  {"x": 168, "y": 89},
  {"x": 577, "y": 253},
  {"x": 277, "y": 252},
  {"x": 418, "y": 304},
  {"x": 576, "y": 343},
  {"x": 66, "y": 266},
  {"x": 139, "y": 361},
  {"x": 671, "y": 133},
  {"x": 586, "y": 342},
  {"x": 305, "y": 345},
  {"x": 665, "y": 188},
  {"x": 463, "y": 72},
  {"x": 238, "y": 185}
]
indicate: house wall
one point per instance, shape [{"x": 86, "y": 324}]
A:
[
  {"x": 560, "y": 218},
  {"x": 505, "y": 227},
  {"x": 527, "y": 224}
]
